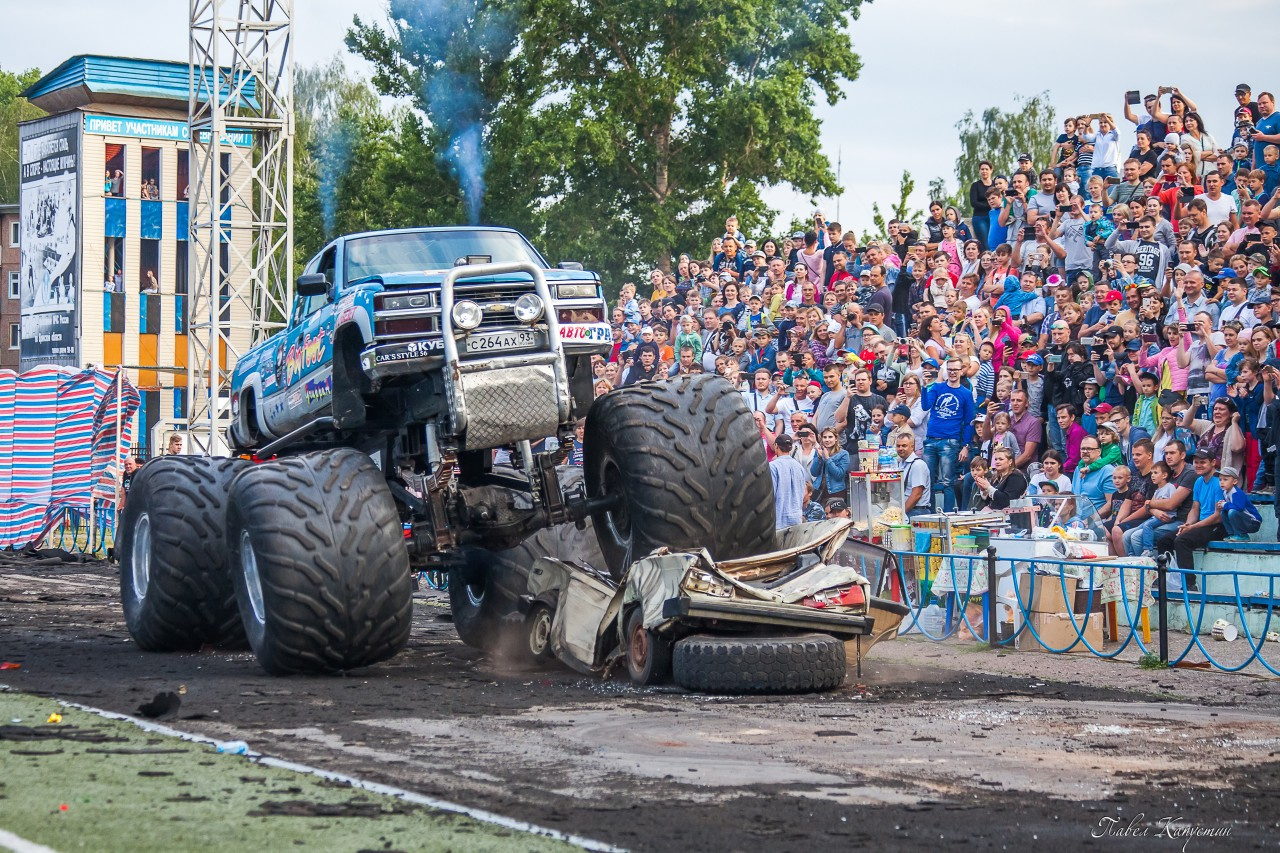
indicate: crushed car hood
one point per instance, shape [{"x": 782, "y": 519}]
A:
[{"x": 652, "y": 580}]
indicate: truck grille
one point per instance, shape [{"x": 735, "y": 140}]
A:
[{"x": 410, "y": 314}]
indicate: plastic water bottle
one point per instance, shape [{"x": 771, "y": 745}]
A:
[
  {"x": 233, "y": 747},
  {"x": 933, "y": 621}
]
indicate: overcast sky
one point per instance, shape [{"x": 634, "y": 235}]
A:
[{"x": 925, "y": 62}]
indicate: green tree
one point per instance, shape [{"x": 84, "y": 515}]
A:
[
  {"x": 13, "y": 109},
  {"x": 1000, "y": 136},
  {"x": 610, "y": 138},
  {"x": 901, "y": 210},
  {"x": 939, "y": 192}
]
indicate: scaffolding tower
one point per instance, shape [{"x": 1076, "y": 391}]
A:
[{"x": 241, "y": 197}]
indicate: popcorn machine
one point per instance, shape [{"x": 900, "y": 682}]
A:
[{"x": 876, "y": 505}]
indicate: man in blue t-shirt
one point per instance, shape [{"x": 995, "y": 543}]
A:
[
  {"x": 1267, "y": 129},
  {"x": 1204, "y": 520},
  {"x": 951, "y": 414}
]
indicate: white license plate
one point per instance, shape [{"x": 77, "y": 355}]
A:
[{"x": 491, "y": 341}]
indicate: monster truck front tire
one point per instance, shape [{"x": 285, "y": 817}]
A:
[
  {"x": 320, "y": 566},
  {"x": 174, "y": 582},
  {"x": 686, "y": 466},
  {"x": 806, "y": 663}
]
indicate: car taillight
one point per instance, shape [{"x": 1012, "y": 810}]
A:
[
  {"x": 403, "y": 326},
  {"x": 580, "y": 315},
  {"x": 848, "y": 597}
]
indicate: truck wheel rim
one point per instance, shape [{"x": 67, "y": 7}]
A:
[
  {"x": 540, "y": 632},
  {"x": 140, "y": 557},
  {"x": 252, "y": 580},
  {"x": 475, "y": 592},
  {"x": 618, "y": 521}
]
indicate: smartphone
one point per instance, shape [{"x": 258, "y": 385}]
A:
[
  {"x": 1187, "y": 193},
  {"x": 1028, "y": 232},
  {"x": 1112, "y": 181},
  {"x": 1087, "y": 341},
  {"x": 1133, "y": 97},
  {"x": 1186, "y": 327},
  {"x": 1010, "y": 193},
  {"x": 1054, "y": 358},
  {"x": 1148, "y": 339},
  {"x": 1064, "y": 208}
]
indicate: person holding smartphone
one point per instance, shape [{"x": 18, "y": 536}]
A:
[{"x": 1105, "y": 142}]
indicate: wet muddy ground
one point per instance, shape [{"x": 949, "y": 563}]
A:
[{"x": 935, "y": 744}]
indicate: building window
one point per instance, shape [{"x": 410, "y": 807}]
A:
[
  {"x": 14, "y": 232},
  {"x": 13, "y": 284},
  {"x": 114, "y": 182},
  {"x": 14, "y": 336},
  {"x": 184, "y": 180},
  {"x": 148, "y": 266},
  {"x": 150, "y": 184},
  {"x": 113, "y": 265}
]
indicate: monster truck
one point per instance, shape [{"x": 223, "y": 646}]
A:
[{"x": 370, "y": 426}]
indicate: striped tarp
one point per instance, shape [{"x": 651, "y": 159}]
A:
[{"x": 51, "y": 420}]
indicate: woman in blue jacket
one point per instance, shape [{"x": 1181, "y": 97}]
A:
[{"x": 830, "y": 467}]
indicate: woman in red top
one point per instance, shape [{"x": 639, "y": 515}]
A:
[{"x": 1175, "y": 197}]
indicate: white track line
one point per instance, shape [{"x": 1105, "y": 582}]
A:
[
  {"x": 18, "y": 844},
  {"x": 372, "y": 787}
]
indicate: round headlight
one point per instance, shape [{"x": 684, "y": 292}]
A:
[
  {"x": 529, "y": 308},
  {"x": 466, "y": 315}
]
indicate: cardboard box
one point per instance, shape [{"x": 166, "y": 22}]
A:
[
  {"x": 1056, "y": 631},
  {"x": 1048, "y": 597}
]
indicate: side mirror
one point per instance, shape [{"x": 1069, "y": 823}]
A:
[
  {"x": 569, "y": 265},
  {"x": 314, "y": 284}
]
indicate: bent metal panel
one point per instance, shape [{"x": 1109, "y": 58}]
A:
[{"x": 50, "y": 272}]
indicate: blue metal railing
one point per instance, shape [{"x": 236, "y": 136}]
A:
[{"x": 1134, "y": 582}]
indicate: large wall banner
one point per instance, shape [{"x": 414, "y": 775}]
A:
[{"x": 49, "y": 271}]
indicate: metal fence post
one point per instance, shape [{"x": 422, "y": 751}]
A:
[
  {"x": 989, "y": 617},
  {"x": 1162, "y": 588}
]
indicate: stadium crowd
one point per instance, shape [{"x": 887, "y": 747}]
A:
[{"x": 1099, "y": 324}]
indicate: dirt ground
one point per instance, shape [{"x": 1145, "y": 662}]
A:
[{"x": 935, "y": 744}]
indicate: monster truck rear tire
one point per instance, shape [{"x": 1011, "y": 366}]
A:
[
  {"x": 479, "y": 605},
  {"x": 320, "y": 566},
  {"x": 175, "y": 587},
  {"x": 807, "y": 663},
  {"x": 484, "y": 587},
  {"x": 688, "y": 467}
]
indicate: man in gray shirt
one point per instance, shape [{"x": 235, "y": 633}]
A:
[
  {"x": 1041, "y": 205},
  {"x": 824, "y": 415},
  {"x": 1068, "y": 240}
]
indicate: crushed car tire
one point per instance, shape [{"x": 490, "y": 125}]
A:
[
  {"x": 319, "y": 561},
  {"x": 175, "y": 586},
  {"x": 648, "y": 654},
  {"x": 685, "y": 462},
  {"x": 807, "y": 663}
]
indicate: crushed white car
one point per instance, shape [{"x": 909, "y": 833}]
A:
[{"x": 775, "y": 623}]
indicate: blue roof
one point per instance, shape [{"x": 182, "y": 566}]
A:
[{"x": 86, "y": 79}]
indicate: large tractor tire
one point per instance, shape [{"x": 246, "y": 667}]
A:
[
  {"x": 319, "y": 562},
  {"x": 175, "y": 586},
  {"x": 807, "y": 663},
  {"x": 687, "y": 465}
]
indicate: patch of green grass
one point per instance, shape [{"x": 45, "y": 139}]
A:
[
  {"x": 1151, "y": 660},
  {"x": 106, "y": 785}
]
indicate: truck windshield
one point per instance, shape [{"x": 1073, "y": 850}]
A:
[{"x": 415, "y": 251}]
